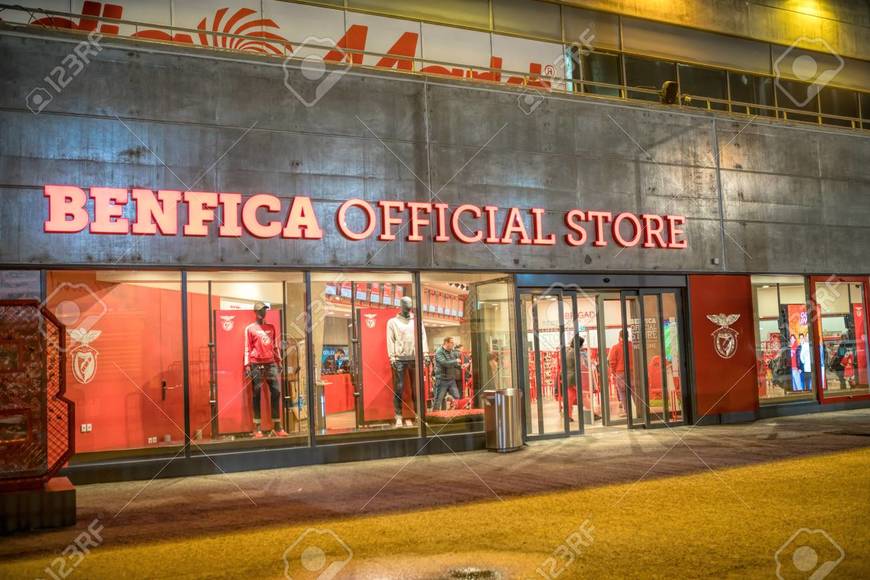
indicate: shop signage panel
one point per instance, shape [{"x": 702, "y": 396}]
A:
[
  {"x": 284, "y": 29},
  {"x": 122, "y": 212}
]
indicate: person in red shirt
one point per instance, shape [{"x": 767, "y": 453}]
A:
[
  {"x": 261, "y": 364},
  {"x": 616, "y": 362}
]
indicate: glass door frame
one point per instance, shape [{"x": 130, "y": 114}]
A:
[
  {"x": 573, "y": 326},
  {"x": 817, "y": 337},
  {"x": 643, "y": 389}
]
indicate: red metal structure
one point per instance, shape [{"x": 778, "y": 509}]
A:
[{"x": 36, "y": 419}]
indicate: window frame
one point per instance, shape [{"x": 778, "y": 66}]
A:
[{"x": 816, "y": 324}]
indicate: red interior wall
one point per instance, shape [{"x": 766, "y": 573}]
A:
[
  {"x": 234, "y": 390},
  {"x": 723, "y": 385},
  {"x": 377, "y": 375},
  {"x": 139, "y": 347}
]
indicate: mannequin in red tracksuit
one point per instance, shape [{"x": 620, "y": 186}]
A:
[{"x": 261, "y": 364}]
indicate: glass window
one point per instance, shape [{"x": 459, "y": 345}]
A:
[
  {"x": 527, "y": 17},
  {"x": 469, "y": 329},
  {"x": 699, "y": 82},
  {"x": 598, "y": 28},
  {"x": 784, "y": 344},
  {"x": 796, "y": 95},
  {"x": 247, "y": 372},
  {"x": 461, "y": 12},
  {"x": 20, "y": 285},
  {"x": 666, "y": 41},
  {"x": 842, "y": 321},
  {"x": 649, "y": 74},
  {"x": 124, "y": 358},
  {"x": 597, "y": 67},
  {"x": 841, "y": 102},
  {"x": 364, "y": 333},
  {"x": 757, "y": 90},
  {"x": 865, "y": 110}
]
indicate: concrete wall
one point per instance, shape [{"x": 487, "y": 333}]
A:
[{"x": 793, "y": 199}]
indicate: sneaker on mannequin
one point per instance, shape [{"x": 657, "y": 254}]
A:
[
  {"x": 280, "y": 433},
  {"x": 398, "y": 420},
  {"x": 409, "y": 422},
  {"x": 258, "y": 434}
]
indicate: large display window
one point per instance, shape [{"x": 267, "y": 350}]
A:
[
  {"x": 841, "y": 325},
  {"x": 783, "y": 338},
  {"x": 469, "y": 346},
  {"x": 124, "y": 358},
  {"x": 366, "y": 361},
  {"x": 246, "y": 334}
]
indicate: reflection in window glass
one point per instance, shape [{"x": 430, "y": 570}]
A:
[
  {"x": 597, "y": 67},
  {"x": 124, "y": 357},
  {"x": 458, "y": 12},
  {"x": 364, "y": 332},
  {"x": 798, "y": 96},
  {"x": 702, "y": 82},
  {"x": 840, "y": 102},
  {"x": 843, "y": 327},
  {"x": 246, "y": 340},
  {"x": 757, "y": 90},
  {"x": 527, "y": 17},
  {"x": 650, "y": 74},
  {"x": 784, "y": 344},
  {"x": 469, "y": 334}
]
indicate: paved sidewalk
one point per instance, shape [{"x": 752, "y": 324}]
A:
[{"x": 134, "y": 512}]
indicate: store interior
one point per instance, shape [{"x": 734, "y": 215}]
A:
[
  {"x": 126, "y": 360},
  {"x": 786, "y": 369},
  {"x": 593, "y": 324}
]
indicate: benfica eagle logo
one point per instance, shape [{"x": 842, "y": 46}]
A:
[
  {"x": 724, "y": 337},
  {"x": 84, "y": 356},
  {"x": 370, "y": 320},
  {"x": 227, "y": 322}
]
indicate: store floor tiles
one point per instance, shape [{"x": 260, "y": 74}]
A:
[{"x": 197, "y": 512}]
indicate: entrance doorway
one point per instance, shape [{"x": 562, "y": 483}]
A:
[{"x": 600, "y": 358}]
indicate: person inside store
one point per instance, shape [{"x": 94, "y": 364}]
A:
[
  {"x": 341, "y": 362},
  {"x": 840, "y": 359},
  {"x": 448, "y": 367},
  {"x": 806, "y": 360},
  {"x": 576, "y": 345},
  {"x": 616, "y": 361},
  {"x": 794, "y": 354},
  {"x": 493, "y": 365},
  {"x": 261, "y": 365}
]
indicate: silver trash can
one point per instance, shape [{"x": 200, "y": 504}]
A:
[{"x": 502, "y": 420}]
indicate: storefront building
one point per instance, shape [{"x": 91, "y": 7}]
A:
[{"x": 252, "y": 280}]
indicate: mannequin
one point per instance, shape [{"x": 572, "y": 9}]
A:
[
  {"x": 261, "y": 364},
  {"x": 402, "y": 349}
]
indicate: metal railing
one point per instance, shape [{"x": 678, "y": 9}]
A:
[{"x": 531, "y": 86}]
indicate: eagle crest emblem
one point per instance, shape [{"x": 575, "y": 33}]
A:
[
  {"x": 84, "y": 356},
  {"x": 724, "y": 337}
]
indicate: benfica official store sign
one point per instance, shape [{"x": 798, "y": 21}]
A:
[{"x": 118, "y": 211}]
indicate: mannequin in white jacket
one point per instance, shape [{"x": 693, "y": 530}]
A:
[{"x": 402, "y": 350}]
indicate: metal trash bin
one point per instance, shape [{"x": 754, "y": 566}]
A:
[{"x": 502, "y": 420}]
